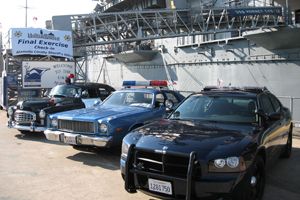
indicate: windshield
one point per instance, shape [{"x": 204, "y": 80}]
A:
[
  {"x": 65, "y": 91},
  {"x": 217, "y": 108},
  {"x": 134, "y": 98}
]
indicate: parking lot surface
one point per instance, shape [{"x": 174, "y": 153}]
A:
[{"x": 32, "y": 168}]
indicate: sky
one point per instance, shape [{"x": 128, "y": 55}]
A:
[{"x": 12, "y": 12}]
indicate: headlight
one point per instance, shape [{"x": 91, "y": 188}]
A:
[
  {"x": 10, "y": 111},
  {"x": 230, "y": 164},
  {"x": 103, "y": 128},
  {"x": 219, "y": 163},
  {"x": 125, "y": 147},
  {"x": 42, "y": 114},
  {"x": 54, "y": 122}
]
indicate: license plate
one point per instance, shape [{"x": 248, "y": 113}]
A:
[
  {"x": 160, "y": 186},
  {"x": 70, "y": 139}
]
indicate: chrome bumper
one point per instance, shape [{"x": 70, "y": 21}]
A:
[
  {"x": 77, "y": 139},
  {"x": 31, "y": 128}
]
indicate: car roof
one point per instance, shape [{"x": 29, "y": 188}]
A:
[
  {"x": 155, "y": 90},
  {"x": 237, "y": 91},
  {"x": 90, "y": 84}
]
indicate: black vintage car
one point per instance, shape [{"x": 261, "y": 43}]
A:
[
  {"x": 31, "y": 115},
  {"x": 216, "y": 144}
]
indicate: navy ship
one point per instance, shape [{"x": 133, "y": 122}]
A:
[{"x": 192, "y": 43}]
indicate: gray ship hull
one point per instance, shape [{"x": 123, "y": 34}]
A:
[{"x": 190, "y": 67}]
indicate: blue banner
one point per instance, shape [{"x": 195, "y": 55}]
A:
[{"x": 255, "y": 11}]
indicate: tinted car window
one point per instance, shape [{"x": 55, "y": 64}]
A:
[
  {"x": 103, "y": 93},
  {"x": 216, "y": 108},
  {"x": 266, "y": 104},
  {"x": 275, "y": 102},
  {"x": 93, "y": 92}
]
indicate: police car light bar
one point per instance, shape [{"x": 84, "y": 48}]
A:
[{"x": 157, "y": 83}]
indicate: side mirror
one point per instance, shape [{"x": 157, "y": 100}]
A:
[
  {"x": 275, "y": 116},
  {"x": 271, "y": 117}
]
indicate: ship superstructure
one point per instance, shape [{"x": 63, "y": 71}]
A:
[{"x": 191, "y": 43}]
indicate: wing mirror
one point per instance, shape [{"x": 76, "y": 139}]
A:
[
  {"x": 275, "y": 116},
  {"x": 271, "y": 117}
]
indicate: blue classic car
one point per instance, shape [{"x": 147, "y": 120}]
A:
[{"x": 106, "y": 124}]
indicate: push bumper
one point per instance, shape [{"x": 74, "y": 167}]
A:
[
  {"x": 32, "y": 127},
  {"x": 207, "y": 186},
  {"x": 77, "y": 139}
]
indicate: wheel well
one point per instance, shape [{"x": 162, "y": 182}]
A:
[
  {"x": 135, "y": 126},
  {"x": 262, "y": 153}
]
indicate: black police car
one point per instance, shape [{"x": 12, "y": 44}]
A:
[
  {"x": 31, "y": 115},
  {"x": 217, "y": 143}
]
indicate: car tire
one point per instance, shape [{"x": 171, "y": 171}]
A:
[
  {"x": 287, "y": 149},
  {"x": 252, "y": 191}
]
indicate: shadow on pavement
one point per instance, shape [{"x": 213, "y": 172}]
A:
[
  {"x": 285, "y": 173},
  {"x": 105, "y": 158},
  {"x": 37, "y": 137}
]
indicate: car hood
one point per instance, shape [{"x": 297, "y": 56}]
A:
[
  {"x": 34, "y": 104},
  {"x": 206, "y": 138},
  {"x": 100, "y": 112}
]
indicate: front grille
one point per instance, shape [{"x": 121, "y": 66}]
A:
[
  {"x": 165, "y": 164},
  {"x": 76, "y": 126},
  {"x": 22, "y": 116}
]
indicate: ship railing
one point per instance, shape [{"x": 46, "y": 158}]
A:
[
  {"x": 122, "y": 27},
  {"x": 279, "y": 56}
]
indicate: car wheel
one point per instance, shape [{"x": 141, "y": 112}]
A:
[
  {"x": 252, "y": 187},
  {"x": 287, "y": 150}
]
